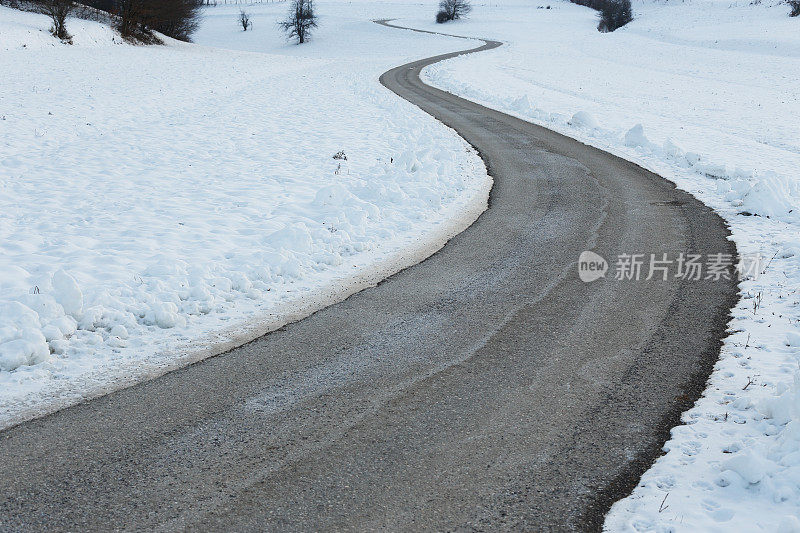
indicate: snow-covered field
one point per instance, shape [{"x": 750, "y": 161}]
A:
[
  {"x": 158, "y": 204},
  {"x": 714, "y": 86}
]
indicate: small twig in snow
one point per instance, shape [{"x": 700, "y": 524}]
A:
[
  {"x": 768, "y": 264},
  {"x": 662, "y": 507}
]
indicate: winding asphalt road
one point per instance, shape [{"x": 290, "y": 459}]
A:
[{"x": 485, "y": 388}]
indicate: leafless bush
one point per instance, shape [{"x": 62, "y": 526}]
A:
[
  {"x": 615, "y": 14},
  {"x": 130, "y": 12},
  {"x": 58, "y": 11},
  {"x": 452, "y": 10},
  {"x": 178, "y": 19},
  {"x": 244, "y": 20},
  {"x": 301, "y": 20},
  {"x": 135, "y": 20},
  {"x": 80, "y": 10},
  {"x": 795, "y": 5},
  {"x": 174, "y": 18}
]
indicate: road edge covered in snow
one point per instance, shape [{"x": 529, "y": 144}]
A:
[
  {"x": 455, "y": 218},
  {"x": 219, "y": 342},
  {"x": 732, "y": 455}
]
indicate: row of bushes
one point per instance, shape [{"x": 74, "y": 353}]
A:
[
  {"x": 613, "y": 13},
  {"x": 135, "y": 19},
  {"x": 139, "y": 18},
  {"x": 616, "y": 13},
  {"x": 58, "y": 11}
]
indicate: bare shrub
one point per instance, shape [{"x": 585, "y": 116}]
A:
[
  {"x": 58, "y": 11},
  {"x": 132, "y": 19},
  {"x": 452, "y": 10},
  {"x": 138, "y": 19},
  {"x": 178, "y": 19},
  {"x": 301, "y": 20},
  {"x": 244, "y": 20},
  {"x": 614, "y": 14}
]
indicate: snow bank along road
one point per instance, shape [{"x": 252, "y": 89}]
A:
[{"x": 486, "y": 387}]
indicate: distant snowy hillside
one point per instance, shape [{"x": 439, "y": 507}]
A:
[
  {"x": 160, "y": 203},
  {"x": 706, "y": 94}
]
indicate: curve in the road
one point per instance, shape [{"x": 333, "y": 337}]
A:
[{"x": 485, "y": 388}]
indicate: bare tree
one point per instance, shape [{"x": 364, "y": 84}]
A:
[
  {"x": 452, "y": 10},
  {"x": 133, "y": 15},
  {"x": 174, "y": 18},
  {"x": 301, "y": 20},
  {"x": 58, "y": 11},
  {"x": 795, "y": 5},
  {"x": 244, "y": 20}
]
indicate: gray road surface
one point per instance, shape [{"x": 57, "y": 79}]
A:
[{"x": 486, "y": 388}]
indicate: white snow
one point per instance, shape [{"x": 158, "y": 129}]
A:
[
  {"x": 160, "y": 204},
  {"x": 704, "y": 93},
  {"x": 580, "y": 119}
]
